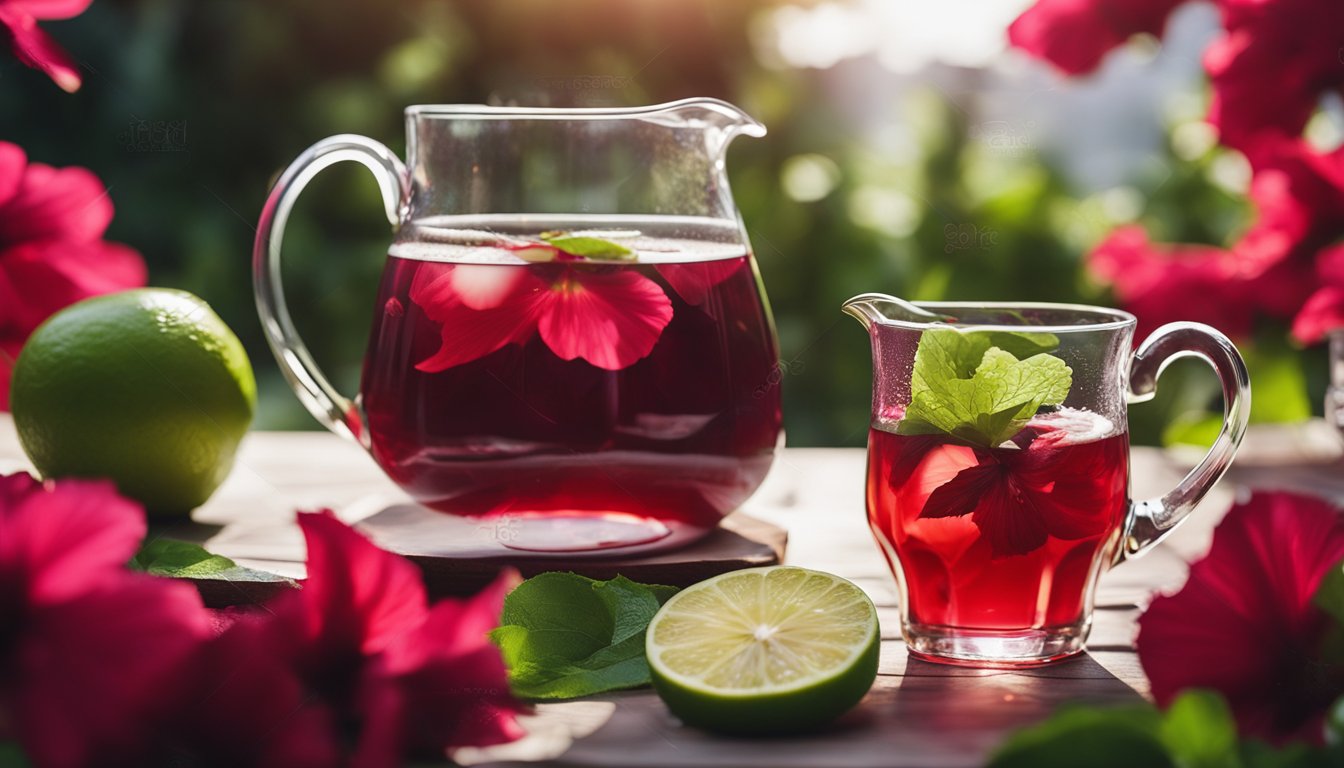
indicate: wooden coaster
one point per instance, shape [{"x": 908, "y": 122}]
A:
[{"x": 459, "y": 556}]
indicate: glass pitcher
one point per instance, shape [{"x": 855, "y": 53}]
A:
[
  {"x": 571, "y": 336},
  {"x": 998, "y": 465}
]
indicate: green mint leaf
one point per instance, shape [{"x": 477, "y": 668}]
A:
[
  {"x": 178, "y": 559},
  {"x": 965, "y": 386},
  {"x": 1125, "y": 737},
  {"x": 588, "y": 247},
  {"x": 1199, "y": 731},
  {"x": 1023, "y": 344},
  {"x": 564, "y": 636}
]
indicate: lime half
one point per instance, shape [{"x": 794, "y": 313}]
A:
[{"x": 764, "y": 650}]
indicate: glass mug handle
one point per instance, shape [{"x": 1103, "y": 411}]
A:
[
  {"x": 338, "y": 413},
  {"x": 1151, "y": 520}
]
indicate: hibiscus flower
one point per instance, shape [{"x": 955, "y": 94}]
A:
[
  {"x": 1075, "y": 35},
  {"x": 1271, "y": 67},
  {"x": 394, "y": 676},
  {"x": 32, "y": 46},
  {"x": 609, "y": 316},
  {"x": 85, "y": 645},
  {"x": 1020, "y": 496},
  {"x": 1244, "y": 623},
  {"x": 1324, "y": 309},
  {"x": 51, "y": 249},
  {"x": 1166, "y": 283}
]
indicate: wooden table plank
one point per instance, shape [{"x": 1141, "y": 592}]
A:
[{"x": 917, "y": 715}]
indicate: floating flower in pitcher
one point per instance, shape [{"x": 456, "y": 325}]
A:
[
  {"x": 51, "y": 249},
  {"x": 609, "y": 316},
  {"x": 1245, "y": 623}
]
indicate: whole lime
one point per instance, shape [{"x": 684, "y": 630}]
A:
[{"x": 148, "y": 388}]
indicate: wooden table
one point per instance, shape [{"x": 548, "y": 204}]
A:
[{"x": 917, "y": 714}]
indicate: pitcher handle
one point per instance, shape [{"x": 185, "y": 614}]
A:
[
  {"x": 335, "y": 411},
  {"x": 1151, "y": 520}
]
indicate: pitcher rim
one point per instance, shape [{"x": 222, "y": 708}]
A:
[
  {"x": 1119, "y": 318},
  {"x": 725, "y": 108}
]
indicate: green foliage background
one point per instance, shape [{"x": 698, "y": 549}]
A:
[{"x": 257, "y": 82}]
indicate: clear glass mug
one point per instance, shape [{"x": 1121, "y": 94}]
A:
[
  {"x": 570, "y": 336},
  {"x": 998, "y": 465}
]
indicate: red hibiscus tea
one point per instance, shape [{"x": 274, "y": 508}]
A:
[
  {"x": 1005, "y": 540},
  {"x": 586, "y": 401}
]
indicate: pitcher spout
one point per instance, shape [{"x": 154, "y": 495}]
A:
[
  {"x": 870, "y": 308},
  {"x": 711, "y": 113}
]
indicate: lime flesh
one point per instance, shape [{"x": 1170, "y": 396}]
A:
[{"x": 764, "y": 650}]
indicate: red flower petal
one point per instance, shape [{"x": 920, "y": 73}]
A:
[
  {"x": 611, "y": 319},
  {"x": 693, "y": 280},
  {"x": 86, "y": 672},
  {"x": 453, "y": 680},
  {"x": 12, "y": 162},
  {"x": 1075, "y": 35},
  {"x": 50, "y": 9},
  {"x": 238, "y": 703},
  {"x": 65, "y": 538},
  {"x": 1166, "y": 283},
  {"x": 1244, "y": 624},
  {"x": 1270, "y": 69},
  {"x": 1063, "y": 484},
  {"x": 39, "y": 278},
  {"x": 1323, "y": 312},
  {"x": 35, "y": 48},
  {"x": 56, "y": 204},
  {"x": 963, "y": 493},
  {"x": 468, "y": 333},
  {"x": 357, "y": 598},
  {"x": 1019, "y": 497}
]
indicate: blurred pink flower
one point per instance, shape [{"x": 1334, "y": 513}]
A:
[
  {"x": 52, "y": 253},
  {"x": 1245, "y": 625},
  {"x": 1271, "y": 67},
  {"x": 1075, "y": 35},
  {"x": 32, "y": 46},
  {"x": 86, "y": 646},
  {"x": 1324, "y": 309},
  {"x": 1166, "y": 283},
  {"x": 396, "y": 676}
]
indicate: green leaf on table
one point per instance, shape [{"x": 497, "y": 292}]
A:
[
  {"x": 564, "y": 636},
  {"x": 1123, "y": 737},
  {"x": 178, "y": 559},
  {"x": 1199, "y": 731},
  {"x": 588, "y": 247},
  {"x": 966, "y": 386}
]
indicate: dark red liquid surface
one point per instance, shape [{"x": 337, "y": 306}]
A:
[
  {"x": 1010, "y": 538},
  {"x": 683, "y": 434}
]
